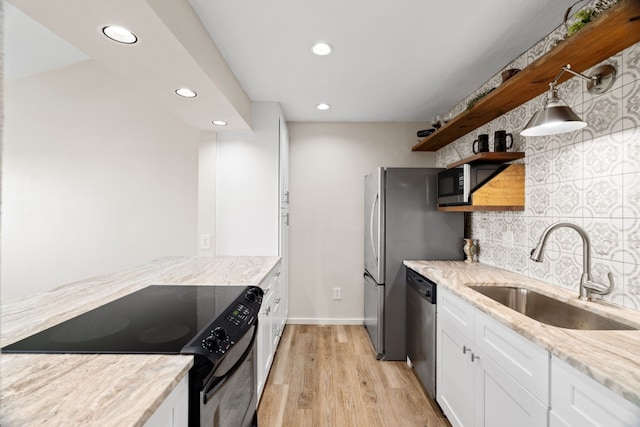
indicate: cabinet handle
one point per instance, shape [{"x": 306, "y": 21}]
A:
[
  {"x": 286, "y": 219},
  {"x": 465, "y": 349},
  {"x": 286, "y": 197},
  {"x": 266, "y": 311},
  {"x": 474, "y": 357},
  {"x": 277, "y": 300}
]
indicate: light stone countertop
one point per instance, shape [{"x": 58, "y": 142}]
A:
[
  {"x": 612, "y": 358},
  {"x": 102, "y": 389}
]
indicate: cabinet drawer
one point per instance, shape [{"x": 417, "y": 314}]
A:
[
  {"x": 458, "y": 312},
  {"x": 527, "y": 363},
  {"x": 581, "y": 401}
]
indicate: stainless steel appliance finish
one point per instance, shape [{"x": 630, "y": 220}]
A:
[
  {"x": 421, "y": 329},
  {"x": 401, "y": 222},
  {"x": 456, "y": 185}
]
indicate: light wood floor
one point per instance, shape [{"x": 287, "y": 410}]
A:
[{"x": 329, "y": 376}]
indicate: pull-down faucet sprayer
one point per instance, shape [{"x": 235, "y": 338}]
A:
[{"x": 587, "y": 285}]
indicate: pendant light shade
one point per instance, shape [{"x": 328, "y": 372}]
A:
[{"x": 554, "y": 118}]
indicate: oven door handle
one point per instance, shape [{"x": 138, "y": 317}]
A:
[{"x": 215, "y": 383}]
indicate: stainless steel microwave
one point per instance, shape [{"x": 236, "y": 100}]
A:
[{"x": 456, "y": 185}]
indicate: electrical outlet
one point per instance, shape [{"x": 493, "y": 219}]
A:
[
  {"x": 337, "y": 293},
  {"x": 205, "y": 241}
]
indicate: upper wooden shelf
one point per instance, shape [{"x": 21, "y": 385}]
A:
[
  {"x": 615, "y": 30},
  {"x": 490, "y": 157}
]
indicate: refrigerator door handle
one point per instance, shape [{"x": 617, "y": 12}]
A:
[{"x": 373, "y": 210}]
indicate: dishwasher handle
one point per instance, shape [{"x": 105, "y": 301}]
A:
[{"x": 423, "y": 286}]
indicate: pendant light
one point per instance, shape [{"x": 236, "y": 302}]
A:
[{"x": 556, "y": 116}]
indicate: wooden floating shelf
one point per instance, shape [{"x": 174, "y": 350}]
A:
[
  {"x": 504, "y": 192},
  {"x": 490, "y": 157},
  {"x": 613, "y": 31}
]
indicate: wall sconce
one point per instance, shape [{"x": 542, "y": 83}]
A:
[{"x": 556, "y": 116}]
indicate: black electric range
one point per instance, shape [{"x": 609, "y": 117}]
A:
[{"x": 216, "y": 324}]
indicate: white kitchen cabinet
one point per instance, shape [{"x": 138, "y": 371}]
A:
[
  {"x": 174, "y": 410},
  {"x": 475, "y": 389},
  {"x": 501, "y": 401},
  {"x": 252, "y": 213},
  {"x": 523, "y": 360},
  {"x": 252, "y": 185},
  {"x": 270, "y": 324},
  {"x": 580, "y": 401},
  {"x": 265, "y": 343},
  {"x": 454, "y": 375}
]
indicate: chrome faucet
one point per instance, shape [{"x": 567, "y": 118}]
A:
[{"x": 587, "y": 285}]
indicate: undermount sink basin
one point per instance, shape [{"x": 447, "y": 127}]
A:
[{"x": 549, "y": 310}]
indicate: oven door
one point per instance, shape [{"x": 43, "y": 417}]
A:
[
  {"x": 228, "y": 397},
  {"x": 454, "y": 186}
]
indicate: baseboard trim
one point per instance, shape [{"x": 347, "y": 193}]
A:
[{"x": 321, "y": 321}]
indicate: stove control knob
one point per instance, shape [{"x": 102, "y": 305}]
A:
[
  {"x": 251, "y": 295},
  {"x": 220, "y": 333},
  {"x": 211, "y": 343}
]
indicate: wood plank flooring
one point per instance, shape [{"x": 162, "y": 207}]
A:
[{"x": 329, "y": 376}]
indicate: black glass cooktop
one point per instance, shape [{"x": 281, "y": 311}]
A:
[{"x": 156, "y": 319}]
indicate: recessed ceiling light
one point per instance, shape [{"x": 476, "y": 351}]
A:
[
  {"x": 186, "y": 93},
  {"x": 322, "y": 49},
  {"x": 323, "y": 106},
  {"x": 119, "y": 34},
  {"x": 219, "y": 123}
]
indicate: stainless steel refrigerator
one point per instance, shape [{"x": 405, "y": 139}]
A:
[{"x": 401, "y": 222}]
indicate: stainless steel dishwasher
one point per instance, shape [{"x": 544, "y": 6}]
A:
[{"x": 421, "y": 328}]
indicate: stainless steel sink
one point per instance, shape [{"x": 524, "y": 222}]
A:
[{"x": 549, "y": 310}]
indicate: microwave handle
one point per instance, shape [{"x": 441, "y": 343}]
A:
[{"x": 466, "y": 173}]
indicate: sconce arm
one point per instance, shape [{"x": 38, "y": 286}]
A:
[{"x": 568, "y": 69}]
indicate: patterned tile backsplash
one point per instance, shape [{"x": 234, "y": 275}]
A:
[{"x": 590, "y": 178}]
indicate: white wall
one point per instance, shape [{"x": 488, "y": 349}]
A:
[
  {"x": 328, "y": 162},
  {"x": 91, "y": 184},
  {"x": 207, "y": 193}
]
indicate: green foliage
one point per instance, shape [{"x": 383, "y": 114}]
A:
[
  {"x": 584, "y": 16},
  {"x": 478, "y": 97}
]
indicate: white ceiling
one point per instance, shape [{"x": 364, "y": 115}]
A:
[
  {"x": 406, "y": 60},
  {"x": 403, "y": 60}
]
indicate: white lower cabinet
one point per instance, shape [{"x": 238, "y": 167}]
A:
[
  {"x": 271, "y": 321},
  {"x": 174, "y": 411},
  {"x": 475, "y": 389},
  {"x": 501, "y": 401},
  {"x": 577, "y": 400},
  {"x": 454, "y": 375}
]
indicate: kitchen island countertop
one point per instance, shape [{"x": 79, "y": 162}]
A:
[
  {"x": 612, "y": 358},
  {"x": 102, "y": 389}
]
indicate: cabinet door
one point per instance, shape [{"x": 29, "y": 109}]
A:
[
  {"x": 174, "y": 411},
  {"x": 455, "y": 375},
  {"x": 265, "y": 344},
  {"x": 276, "y": 314},
  {"x": 284, "y": 162},
  {"x": 501, "y": 401},
  {"x": 580, "y": 401},
  {"x": 523, "y": 360}
]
